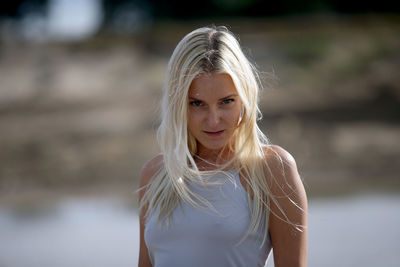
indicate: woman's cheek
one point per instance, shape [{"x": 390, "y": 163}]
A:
[{"x": 194, "y": 121}]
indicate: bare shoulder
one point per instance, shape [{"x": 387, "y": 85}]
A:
[
  {"x": 278, "y": 156},
  {"x": 150, "y": 168},
  {"x": 284, "y": 170}
]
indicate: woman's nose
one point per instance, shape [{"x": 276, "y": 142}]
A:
[{"x": 213, "y": 117}]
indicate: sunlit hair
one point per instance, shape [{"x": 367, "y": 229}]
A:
[{"x": 209, "y": 50}]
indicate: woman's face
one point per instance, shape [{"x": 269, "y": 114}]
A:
[{"x": 213, "y": 111}]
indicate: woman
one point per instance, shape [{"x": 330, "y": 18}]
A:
[{"x": 219, "y": 194}]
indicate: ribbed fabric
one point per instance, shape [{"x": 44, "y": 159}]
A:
[{"x": 203, "y": 237}]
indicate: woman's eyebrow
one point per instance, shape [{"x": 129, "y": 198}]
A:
[
  {"x": 223, "y": 98},
  {"x": 229, "y": 96}
]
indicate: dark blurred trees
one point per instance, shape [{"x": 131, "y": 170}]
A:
[
  {"x": 126, "y": 13},
  {"x": 180, "y": 9},
  {"x": 18, "y": 8}
]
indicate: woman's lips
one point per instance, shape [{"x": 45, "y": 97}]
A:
[{"x": 213, "y": 134}]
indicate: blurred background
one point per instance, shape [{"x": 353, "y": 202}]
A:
[{"x": 80, "y": 85}]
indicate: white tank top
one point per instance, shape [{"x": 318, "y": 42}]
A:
[{"x": 203, "y": 237}]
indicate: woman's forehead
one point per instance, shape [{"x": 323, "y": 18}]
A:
[{"x": 215, "y": 84}]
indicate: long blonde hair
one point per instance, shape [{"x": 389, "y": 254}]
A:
[{"x": 208, "y": 50}]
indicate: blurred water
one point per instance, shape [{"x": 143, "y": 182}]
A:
[
  {"x": 352, "y": 231},
  {"x": 77, "y": 232}
]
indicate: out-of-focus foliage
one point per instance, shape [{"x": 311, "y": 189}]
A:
[
  {"x": 132, "y": 16},
  {"x": 19, "y": 8},
  {"x": 183, "y": 9}
]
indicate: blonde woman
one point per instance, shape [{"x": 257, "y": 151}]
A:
[{"x": 219, "y": 194}]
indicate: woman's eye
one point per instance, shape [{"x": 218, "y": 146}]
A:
[
  {"x": 227, "y": 101},
  {"x": 196, "y": 103}
]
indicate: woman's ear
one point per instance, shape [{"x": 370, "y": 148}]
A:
[{"x": 241, "y": 115}]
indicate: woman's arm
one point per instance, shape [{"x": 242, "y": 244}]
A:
[
  {"x": 288, "y": 230},
  {"x": 148, "y": 171}
]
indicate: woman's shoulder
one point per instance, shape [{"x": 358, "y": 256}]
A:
[
  {"x": 150, "y": 168},
  {"x": 275, "y": 155},
  {"x": 282, "y": 165}
]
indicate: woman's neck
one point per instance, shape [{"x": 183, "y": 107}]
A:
[{"x": 212, "y": 159}]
